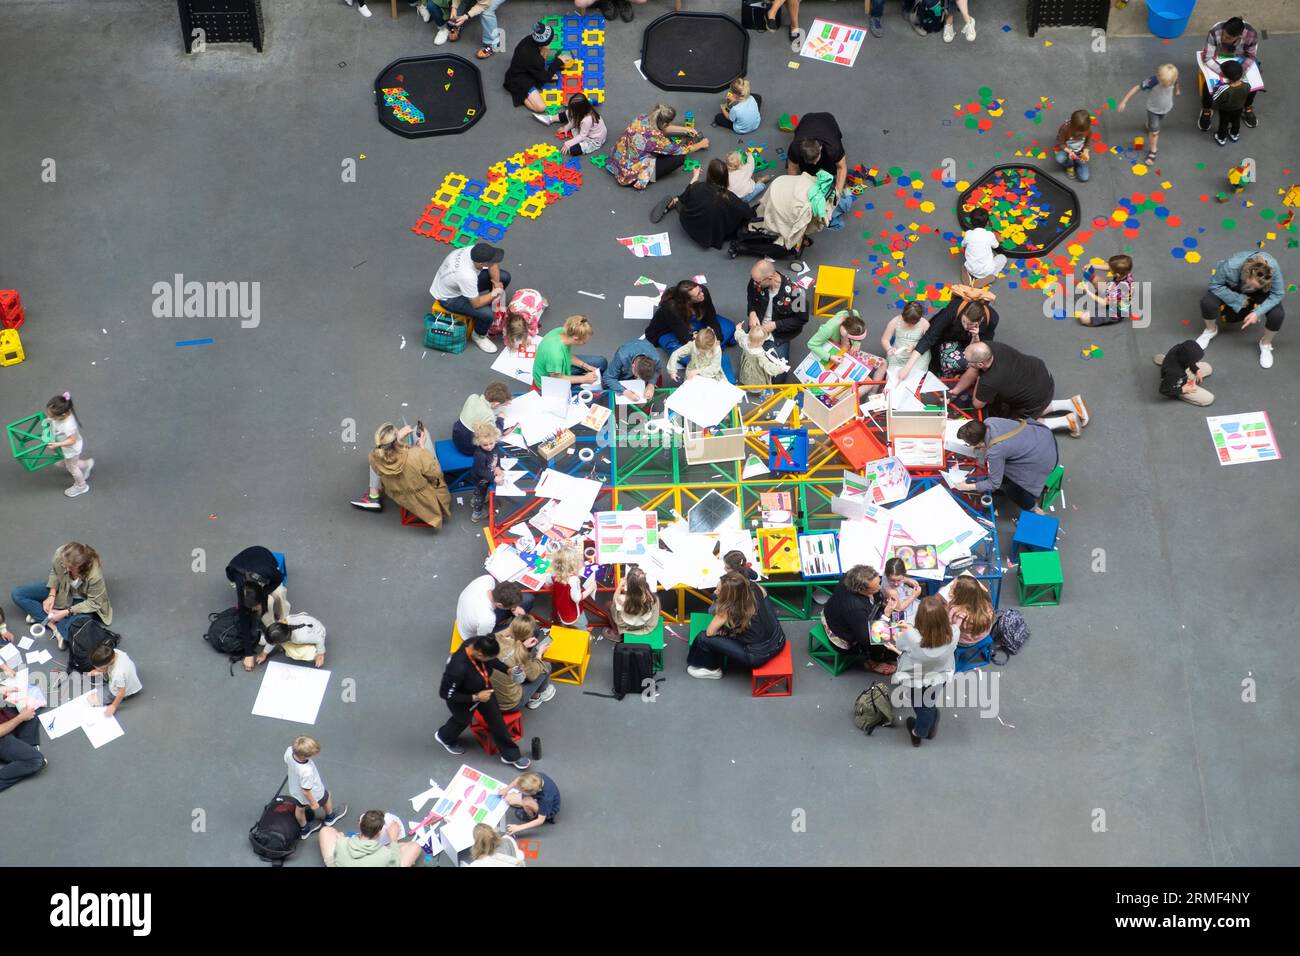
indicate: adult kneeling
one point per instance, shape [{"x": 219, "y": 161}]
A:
[
  {"x": 1019, "y": 456},
  {"x": 744, "y": 629},
  {"x": 709, "y": 211}
]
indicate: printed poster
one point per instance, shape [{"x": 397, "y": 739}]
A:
[
  {"x": 832, "y": 42},
  {"x": 1243, "y": 438}
]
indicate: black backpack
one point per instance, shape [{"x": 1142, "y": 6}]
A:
[
  {"x": 930, "y": 14},
  {"x": 633, "y": 666},
  {"x": 753, "y": 15},
  {"x": 276, "y": 835},
  {"x": 223, "y": 632},
  {"x": 84, "y": 636}
]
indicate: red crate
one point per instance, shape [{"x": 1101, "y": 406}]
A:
[{"x": 11, "y": 309}]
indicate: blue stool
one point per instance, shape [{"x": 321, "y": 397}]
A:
[
  {"x": 455, "y": 466},
  {"x": 970, "y": 656},
  {"x": 1034, "y": 533}
]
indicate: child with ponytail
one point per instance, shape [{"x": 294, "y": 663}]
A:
[{"x": 65, "y": 433}]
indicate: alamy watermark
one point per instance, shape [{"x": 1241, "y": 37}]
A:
[
  {"x": 208, "y": 300},
  {"x": 1071, "y": 299},
  {"x": 975, "y": 689}
]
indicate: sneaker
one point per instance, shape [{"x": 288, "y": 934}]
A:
[
  {"x": 916, "y": 27},
  {"x": 1203, "y": 121},
  {"x": 1250, "y": 119},
  {"x": 423, "y": 11},
  {"x": 625, "y": 12},
  {"x": 968, "y": 31},
  {"x": 1080, "y": 408},
  {"x": 1265, "y": 355},
  {"x": 1204, "y": 339},
  {"x": 75, "y": 492},
  {"x": 1076, "y": 430},
  {"x": 796, "y": 40},
  {"x": 485, "y": 52},
  {"x": 1220, "y": 139},
  {"x": 546, "y": 695},
  {"x": 521, "y": 816},
  {"x": 483, "y": 342},
  {"x": 1234, "y": 136},
  {"x": 336, "y": 816},
  {"x": 454, "y": 749},
  {"x": 311, "y": 827},
  {"x": 546, "y": 119},
  {"x": 877, "y": 28},
  {"x": 478, "y": 514},
  {"x": 366, "y": 503},
  {"x": 911, "y": 730},
  {"x": 364, "y": 10},
  {"x": 90, "y": 466},
  {"x": 523, "y": 763},
  {"x": 440, "y": 37},
  {"x": 703, "y": 673},
  {"x": 949, "y": 33}
]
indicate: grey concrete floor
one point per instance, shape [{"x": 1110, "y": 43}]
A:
[{"x": 226, "y": 166}]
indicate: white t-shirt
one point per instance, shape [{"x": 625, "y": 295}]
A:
[
  {"x": 475, "y": 613},
  {"x": 303, "y": 779},
  {"x": 456, "y": 276},
  {"x": 121, "y": 674},
  {"x": 62, "y": 429},
  {"x": 980, "y": 245}
]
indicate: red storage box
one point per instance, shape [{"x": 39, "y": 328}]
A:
[{"x": 857, "y": 444}]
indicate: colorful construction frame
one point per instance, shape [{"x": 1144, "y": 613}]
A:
[
  {"x": 583, "y": 39},
  {"x": 29, "y": 443}
]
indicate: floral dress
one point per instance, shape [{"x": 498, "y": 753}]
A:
[
  {"x": 632, "y": 161},
  {"x": 527, "y": 302}
]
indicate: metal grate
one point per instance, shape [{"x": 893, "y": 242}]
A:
[
  {"x": 1066, "y": 13},
  {"x": 222, "y": 21}
]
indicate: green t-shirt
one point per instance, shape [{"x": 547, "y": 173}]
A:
[
  {"x": 358, "y": 851},
  {"x": 553, "y": 357}
]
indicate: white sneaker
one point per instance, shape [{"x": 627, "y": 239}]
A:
[
  {"x": 1265, "y": 355},
  {"x": 1076, "y": 430},
  {"x": 546, "y": 119},
  {"x": 948, "y": 32},
  {"x": 483, "y": 342},
  {"x": 440, "y": 37},
  {"x": 423, "y": 11},
  {"x": 75, "y": 492},
  {"x": 1203, "y": 340},
  {"x": 704, "y": 673},
  {"x": 1080, "y": 409},
  {"x": 546, "y": 695},
  {"x": 968, "y": 31},
  {"x": 365, "y": 10}
]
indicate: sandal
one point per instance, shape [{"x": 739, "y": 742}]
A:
[
  {"x": 1149, "y": 158},
  {"x": 485, "y": 52}
]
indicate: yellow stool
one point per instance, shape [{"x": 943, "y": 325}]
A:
[
  {"x": 833, "y": 291},
  {"x": 437, "y": 309},
  {"x": 456, "y": 642},
  {"x": 11, "y": 347},
  {"x": 570, "y": 651}
]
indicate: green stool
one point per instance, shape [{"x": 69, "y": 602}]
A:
[
  {"x": 655, "y": 639},
  {"x": 700, "y": 624},
  {"x": 1052, "y": 487},
  {"x": 1040, "y": 578},
  {"x": 28, "y": 443},
  {"x": 823, "y": 652}
]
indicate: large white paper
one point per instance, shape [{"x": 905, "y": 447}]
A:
[
  {"x": 934, "y": 517},
  {"x": 640, "y": 307},
  {"x": 516, "y": 366},
  {"x": 867, "y": 540},
  {"x": 704, "y": 401},
  {"x": 289, "y": 692},
  {"x": 504, "y": 563},
  {"x": 954, "y": 444},
  {"x": 555, "y": 396},
  {"x": 574, "y": 497},
  {"x": 1252, "y": 76},
  {"x": 102, "y": 729},
  {"x": 69, "y": 717}
]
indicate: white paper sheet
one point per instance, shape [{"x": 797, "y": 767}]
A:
[
  {"x": 633, "y": 392},
  {"x": 954, "y": 444},
  {"x": 754, "y": 467},
  {"x": 69, "y": 717},
  {"x": 39, "y": 657},
  {"x": 511, "y": 363},
  {"x": 420, "y": 799},
  {"x": 704, "y": 401},
  {"x": 954, "y": 475},
  {"x": 102, "y": 729},
  {"x": 504, "y": 563},
  {"x": 866, "y": 540},
  {"x": 556, "y": 393},
  {"x": 641, "y": 308},
  {"x": 289, "y": 692},
  {"x": 934, "y": 517},
  {"x": 574, "y": 496},
  {"x": 10, "y": 654},
  {"x": 25, "y": 642}
]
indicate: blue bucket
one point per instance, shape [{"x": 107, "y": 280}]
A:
[{"x": 1167, "y": 19}]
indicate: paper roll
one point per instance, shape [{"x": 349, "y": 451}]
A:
[
  {"x": 986, "y": 500},
  {"x": 586, "y": 454}
]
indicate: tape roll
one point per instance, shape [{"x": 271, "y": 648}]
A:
[
  {"x": 590, "y": 554},
  {"x": 986, "y": 500},
  {"x": 37, "y": 630},
  {"x": 586, "y": 454},
  {"x": 586, "y": 395}
]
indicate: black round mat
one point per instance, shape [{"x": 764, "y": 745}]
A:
[
  {"x": 1029, "y": 210},
  {"x": 700, "y": 52},
  {"x": 429, "y": 95}
]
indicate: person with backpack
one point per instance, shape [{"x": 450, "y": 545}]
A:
[
  {"x": 367, "y": 848},
  {"x": 307, "y": 789},
  {"x": 1019, "y": 455},
  {"x": 74, "y": 591},
  {"x": 123, "y": 678},
  {"x": 466, "y": 687},
  {"x": 926, "y": 662}
]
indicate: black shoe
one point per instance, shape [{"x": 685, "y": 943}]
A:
[
  {"x": 1203, "y": 122},
  {"x": 937, "y": 715},
  {"x": 1234, "y": 136},
  {"x": 1249, "y": 118},
  {"x": 1221, "y": 139},
  {"x": 662, "y": 207},
  {"x": 625, "y": 12},
  {"x": 608, "y": 9},
  {"x": 911, "y": 730}
]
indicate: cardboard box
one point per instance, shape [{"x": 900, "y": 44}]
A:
[{"x": 888, "y": 480}]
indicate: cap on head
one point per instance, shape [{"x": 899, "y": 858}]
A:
[
  {"x": 485, "y": 254},
  {"x": 542, "y": 33}
]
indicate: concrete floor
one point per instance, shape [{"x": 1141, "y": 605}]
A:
[{"x": 225, "y": 166}]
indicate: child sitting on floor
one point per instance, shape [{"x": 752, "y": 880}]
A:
[
  {"x": 740, "y": 108},
  {"x": 702, "y": 356},
  {"x": 1071, "y": 146},
  {"x": 586, "y": 130},
  {"x": 123, "y": 680},
  {"x": 981, "y": 266},
  {"x": 634, "y": 609},
  {"x": 1117, "y": 305},
  {"x": 740, "y": 176},
  {"x": 524, "y": 312},
  {"x": 536, "y": 799}
]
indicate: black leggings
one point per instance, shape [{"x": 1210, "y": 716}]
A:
[
  {"x": 725, "y": 123},
  {"x": 667, "y": 164},
  {"x": 1212, "y": 307}
]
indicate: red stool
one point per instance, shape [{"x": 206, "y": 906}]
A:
[
  {"x": 776, "y": 677},
  {"x": 479, "y": 728},
  {"x": 411, "y": 521},
  {"x": 11, "y": 309}
]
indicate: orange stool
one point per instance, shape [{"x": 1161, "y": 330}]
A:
[
  {"x": 776, "y": 677},
  {"x": 483, "y": 734}
]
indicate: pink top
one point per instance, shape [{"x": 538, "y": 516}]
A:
[{"x": 527, "y": 302}]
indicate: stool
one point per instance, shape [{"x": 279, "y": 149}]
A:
[
  {"x": 11, "y": 347},
  {"x": 455, "y": 466},
  {"x": 11, "y": 309},
  {"x": 1034, "y": 532},
  {"x": 456, "y": 640},
  {"x": 479, "y": 728},
  {"x": 409, "y": 520},
  {"x": 655, "y": 641},
  {"x": 699, "y": 624},
  {"x": 833, "y": 291},
  {"x": 970, "y": 656},
  {"x": 279, "y": 563},
  {"x": 776, "y": 677},
  {"x": 827, "y": 655},
  {"x": 1040, "y": 581},
  {"x": 570, "y": 650},
  {"x": 1052, "y": 487}
]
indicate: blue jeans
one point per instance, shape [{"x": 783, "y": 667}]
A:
[
  {"x": 598, "y": 362},
  {"x": 489, "y": 18},
  {"x": 481, "y": 314},
  {"x": 758, "y": 190},
  {"x": 435, "y": 12},
  {"x": 1080, "y": 168},
  {"x": 19, "y": 757},
  {"x": 923, "y": 702},
  {"x": 28, "y": 597},
  {"x": 841, "y": 207}
]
